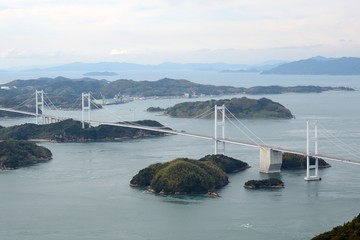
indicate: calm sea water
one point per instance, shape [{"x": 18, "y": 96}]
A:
[{"x": 84, "y": 193}]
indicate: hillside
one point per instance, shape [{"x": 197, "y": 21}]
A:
[
  {"x": 71, "y": 131},
  {"x": 240, "y": 107},
  {"x": 319, "y": 66},
  {"x": 349, "y": 231}
]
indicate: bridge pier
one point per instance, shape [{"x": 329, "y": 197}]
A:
[
  {"x": 310, "y": 167},
  {"x": 85, "y": 107},
  {"x": 270, "y": 160},
  {"x": 39, "y": 102},
  {"x": 219, "y": 146}
]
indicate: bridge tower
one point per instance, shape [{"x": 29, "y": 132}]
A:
[
  {"x": 85, "y": 107},
  {"x": 39, "y": 98},
  {"x": 219, "y": 146},
  {"x": 309, "y": 166}
]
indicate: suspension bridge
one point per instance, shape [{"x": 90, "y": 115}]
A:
[{"x": 270, "y": 156}]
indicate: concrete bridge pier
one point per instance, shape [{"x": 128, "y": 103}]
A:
[{"x": 270, "y": 160}]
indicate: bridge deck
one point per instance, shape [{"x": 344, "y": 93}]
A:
[{"x": 195, "y": 135}]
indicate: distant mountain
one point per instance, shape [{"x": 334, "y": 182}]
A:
[
  {"x": 319, "y": 66},
  {"x": 100, "y": 74},
  {"x": 123, "y": 66}
]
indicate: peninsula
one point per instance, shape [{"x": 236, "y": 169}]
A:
[
  {"x": 188, "y": 176},
  {"x": 71, "y": 131},
  {"x": 16, "y": 154}
]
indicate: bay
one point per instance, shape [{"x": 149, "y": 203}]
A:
[{"x": 84, "y": 193}]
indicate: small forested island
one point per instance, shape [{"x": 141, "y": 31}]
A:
[
  {"x": 266, "y": 183},
  {"x": 348, "y": 231},
  {"x": 188, "y": 176},
  {"x": 240, "y": 107},
  {"x": 293, "y": 162},
  {"x": 16, "y": 154},
  {"x": 71, "y": 131}
]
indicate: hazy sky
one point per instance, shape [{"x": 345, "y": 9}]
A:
[{"x": 46, "y": 32}]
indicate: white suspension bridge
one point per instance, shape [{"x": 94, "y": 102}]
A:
[{"x": 270, "y": 156}]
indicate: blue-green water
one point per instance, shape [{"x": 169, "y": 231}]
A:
[{"x": 84, "y": 193}]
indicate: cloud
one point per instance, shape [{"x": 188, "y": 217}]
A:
[
  {"x": 118, "y": 52},
  {"x": 186, "y": 30},
  {"x": 10, "y": 54}
]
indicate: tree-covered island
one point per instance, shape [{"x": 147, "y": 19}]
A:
[
  {"x": 293, "y": 162},
  {"x": 71, "y": 131},
  {"x": 240, "y": 107},
  {"x": 16, "y": 154},
  {"x": 188, "y": 176},
  {"x": 266, "y": 183}
]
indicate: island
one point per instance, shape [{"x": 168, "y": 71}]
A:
[
  {"x": 188, "y": 176},
  {"x": 66, "y": 93},
  {"x": 71, "y": 131},
  {"x": 292, "y": 161},
  {"x": 239, "y": 107},
  {"x": 266, "y": 183},
  {"x": 349, "y": 230},
  {"x": 16, "y": 154}
]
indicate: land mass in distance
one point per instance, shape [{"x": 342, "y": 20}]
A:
[{"x": 66, "y": 93}]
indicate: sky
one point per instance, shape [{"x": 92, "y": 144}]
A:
[{"x": 52, "y": 32}]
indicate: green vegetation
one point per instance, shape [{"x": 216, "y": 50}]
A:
[
  {"x": 293, "y": 162},
  {"x": 187, "y": 176},
  {"x": 15, "y": 154},
  {"x": 225, "y": 163},
  {"x": 267, "y": 183},
  {"x": 240, "y": 107},
  {"x": 71, "y": 131},
  {"x": 349, "y": 231}
]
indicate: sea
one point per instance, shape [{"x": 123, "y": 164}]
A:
[{"x": 84, "y": 192}]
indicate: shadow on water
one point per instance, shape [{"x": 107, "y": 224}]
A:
[
  {"x": 180, "y": 199},
  {"x": 185, "y": 199}
]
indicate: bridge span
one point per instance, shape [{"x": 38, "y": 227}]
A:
[{"x": 270, "y": 156}]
